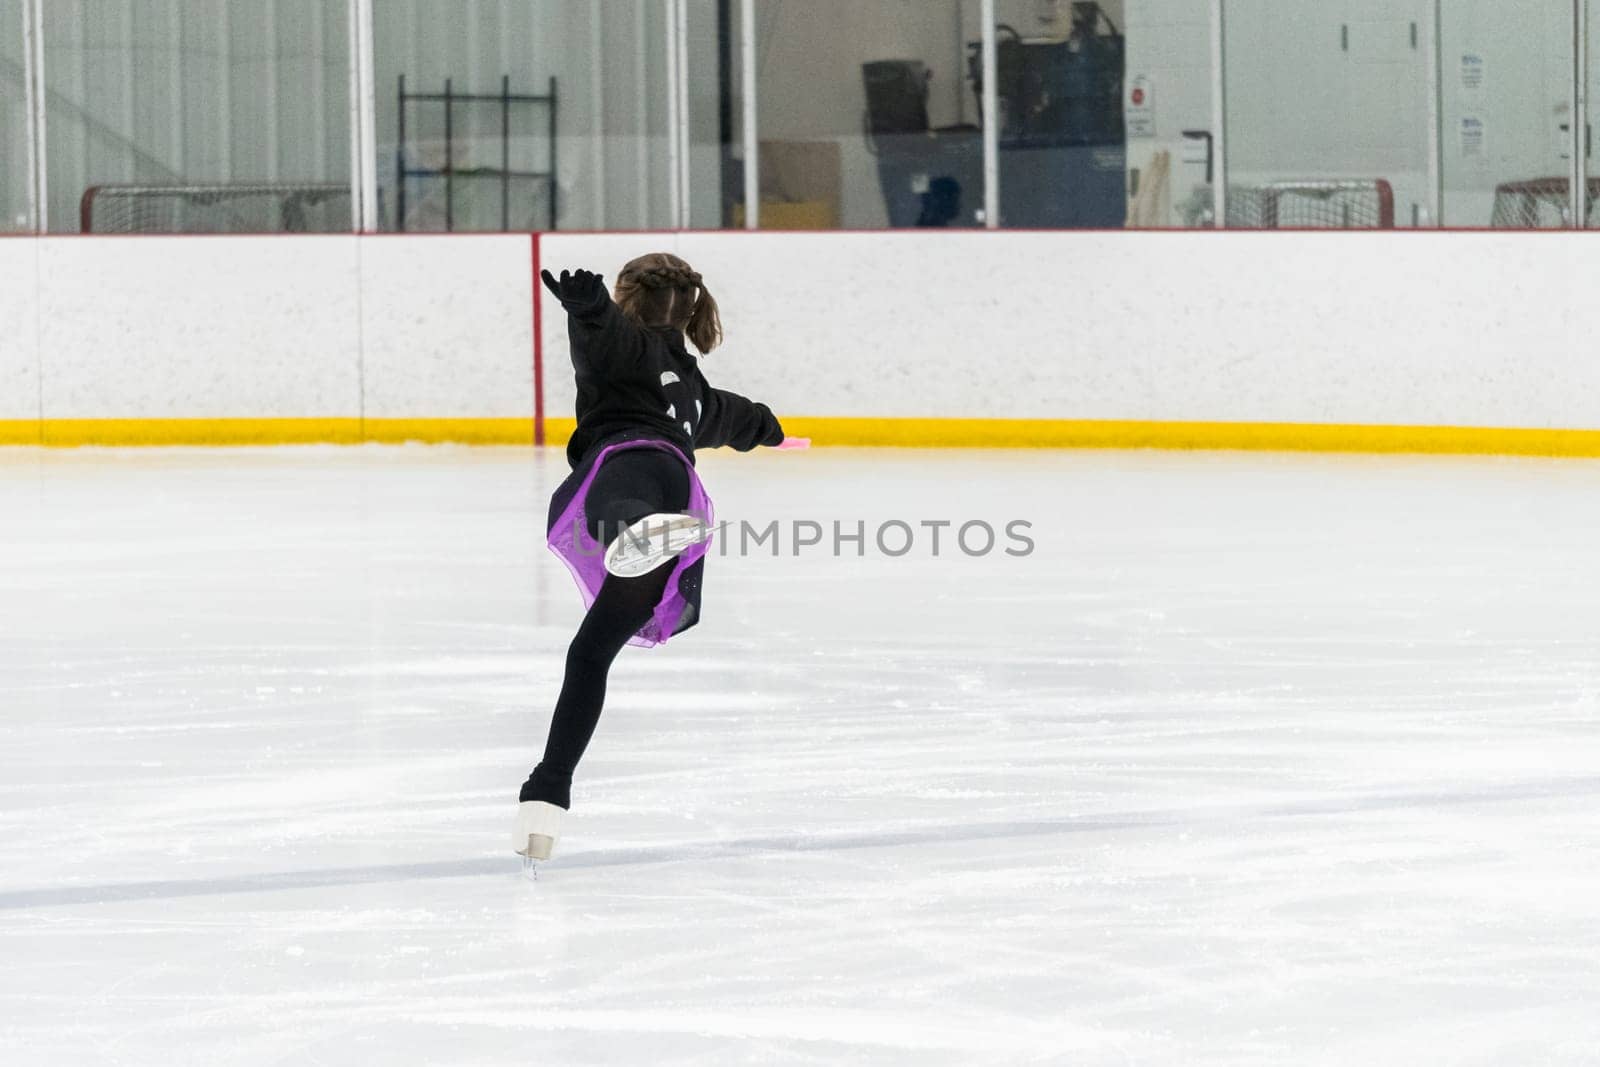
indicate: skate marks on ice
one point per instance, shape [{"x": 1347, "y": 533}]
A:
[
  {"x": 739, "y": 848},
  {"x": 122, "y": 892}
]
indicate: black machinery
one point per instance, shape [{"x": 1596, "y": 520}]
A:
[{"x": 1054, "y": 92}]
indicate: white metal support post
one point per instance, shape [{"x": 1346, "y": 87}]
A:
[
  {"x": 34, "y": 100},
  {"x": 991, "y": 120},
  {"x": 750, "y": 68},
  {"x": 363, "y": 121},
  {"x": 597, "y": 97},
  {"x": 1219, "y": 117},
  {"x": 1435, "y": 84},
  {"x": 1580, "y": 115},
  {"x": 674, "y": 143},
  {"x": 641, "y": 139},
  {"x": 685, "y": 116}
]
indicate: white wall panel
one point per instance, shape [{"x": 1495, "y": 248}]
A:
[
  {"x": 1433, "y": 329},
  {"x": 19, "y": 355},
  {"x": 447, "y": 329},
  {"x": 207, "y": 327}
]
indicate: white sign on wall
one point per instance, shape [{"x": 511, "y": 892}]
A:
[
  {"x": 1472, "y": 72},
  {"x": 1138, "y": 107}
]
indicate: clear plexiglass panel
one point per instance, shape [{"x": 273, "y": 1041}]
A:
[
  {"x": 556, "y": 117},
  {"x": 1328, "y": 113},
  {"x": 14, "y": 212},
  {"x": 183, "y": 116},
  {"x": 1060, "y": 68},
  {"x": 1591, "y": 206},
  {"x": 1506, "y": 109},
  {"x": 867, "y": 115}
]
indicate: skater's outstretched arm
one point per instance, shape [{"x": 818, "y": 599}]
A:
[
  {"x": 602, "y": 338},
  {"x": 733, "y": 421}
]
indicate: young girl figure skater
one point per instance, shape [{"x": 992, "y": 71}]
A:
[{"x": 631, "y": 521}]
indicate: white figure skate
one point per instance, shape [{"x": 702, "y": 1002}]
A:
[
  {"x": 653, "y": 540},
  {"x": 537, "y": 831}
]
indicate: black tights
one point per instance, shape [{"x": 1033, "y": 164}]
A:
[{"x": 630, "y": 485}]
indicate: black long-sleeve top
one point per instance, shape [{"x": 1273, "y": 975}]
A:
[{"x": 635, "y": 379}]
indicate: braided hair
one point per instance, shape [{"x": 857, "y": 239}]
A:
[{"x": 662, "y": 290}]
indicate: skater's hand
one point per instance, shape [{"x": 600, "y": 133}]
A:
[
  {"x": 789, "y": 444},
  {"x": 577, "y": 289}
]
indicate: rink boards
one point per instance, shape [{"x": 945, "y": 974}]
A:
[
  {"x": 255, "y": 340},
  {"x": 1469, "y": 342}
]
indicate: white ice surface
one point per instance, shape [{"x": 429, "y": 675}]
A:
[{"x": 1257, "y": 760}]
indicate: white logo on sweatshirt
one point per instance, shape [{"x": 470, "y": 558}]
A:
[{"x": 667, "y": 377}]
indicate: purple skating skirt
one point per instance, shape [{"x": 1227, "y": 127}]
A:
[{"x": 568, "y": 537}]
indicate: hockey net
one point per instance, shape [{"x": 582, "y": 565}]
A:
[
  {"x": 236, "y": 207},
  {"x": 1540, "y": 204},
  {"x": 1361, "y": 204}
]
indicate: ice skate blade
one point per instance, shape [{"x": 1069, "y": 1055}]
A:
[
  {"x": 537, "y": 851},
  {"x": 652, "y": 541},
  {"x": 538, "y": 848}
]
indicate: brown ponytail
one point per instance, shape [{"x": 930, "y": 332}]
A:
[
  {"x": 662, "y": 290},
  {"x": 705, "y": 322}
]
